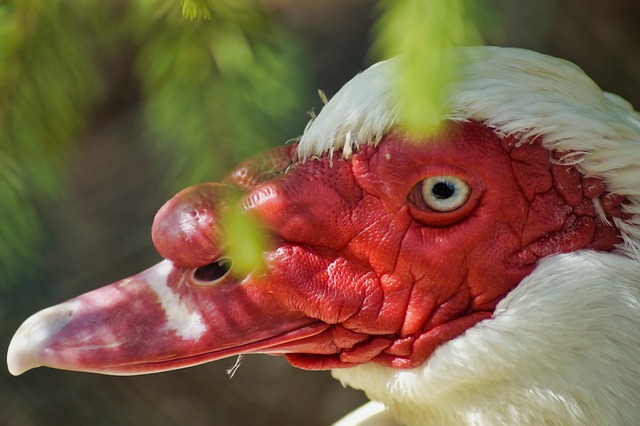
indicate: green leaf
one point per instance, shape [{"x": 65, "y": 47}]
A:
[
  {"x": 423, "y": 32},
  {"x": 244, "y": 238},
  {"x": 195, "y": 9}
]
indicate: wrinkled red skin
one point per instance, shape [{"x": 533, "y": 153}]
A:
[{"x": 356, "y": 250}]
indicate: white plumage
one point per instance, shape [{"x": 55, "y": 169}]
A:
[{"x": 562, "y": 348}]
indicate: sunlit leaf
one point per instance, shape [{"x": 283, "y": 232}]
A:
[
  {"x": 423, "y": 32},
  {"x": 195, "y": 9},
  {"x": 244, "y": 238}
]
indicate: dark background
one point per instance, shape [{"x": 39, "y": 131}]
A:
[{"x": 95, "y": 240}]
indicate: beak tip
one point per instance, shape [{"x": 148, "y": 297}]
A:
[
  {"x": 22, "y": 353},
  {"x": 18, "y": 360},
  {"x": 26, "y": 346}
]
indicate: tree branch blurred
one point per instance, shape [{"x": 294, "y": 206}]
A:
[
  {"x": 423, "y": 32},
  {"x": 216, "y": 88},
  {"x": 48, "y": 80}
]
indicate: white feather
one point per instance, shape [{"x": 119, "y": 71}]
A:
[{"x": 562, "y": 349}]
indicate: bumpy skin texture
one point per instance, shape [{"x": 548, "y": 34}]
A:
[
  {"x": 185, "y": 229},
  {"x": 371, "y": 260},
  {"x": 357, "y": 248}
]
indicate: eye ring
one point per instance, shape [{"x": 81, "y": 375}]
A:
[
  {"x": 447, "y": 204},
  {"x": 212, "y": 273},
  {"x": 442, "y": 194}
]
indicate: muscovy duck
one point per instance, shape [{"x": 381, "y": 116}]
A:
[{"x": 486, "y": 274}]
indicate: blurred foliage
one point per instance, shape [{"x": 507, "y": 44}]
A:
[
  {"x": 48, "y": 78},
  {"x": 423, "y": 32},
  {"x": 217, "y": 89},
  {"x": 244, "y": 237},
  {"x": 214, "y": 90}
]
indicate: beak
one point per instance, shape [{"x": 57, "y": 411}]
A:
[
  {"x": 161, "y": 319},
  {"x": 184, "y": 311}
]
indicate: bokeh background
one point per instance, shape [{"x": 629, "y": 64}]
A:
[{"x": 108, "y": 108}]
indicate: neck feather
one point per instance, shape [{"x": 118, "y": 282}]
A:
[{"x": 562, "y": 348}]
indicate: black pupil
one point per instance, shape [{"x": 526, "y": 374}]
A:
[
  {"x": 443, "y": 190},
  {"x": 213, "y": 271}
]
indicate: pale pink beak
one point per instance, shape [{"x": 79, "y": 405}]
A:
[{"x": 161, "y": 319}]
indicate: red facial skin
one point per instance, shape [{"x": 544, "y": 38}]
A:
[
  {"x": 361, "y": 265},
  {"x": 395, "y": 278}
]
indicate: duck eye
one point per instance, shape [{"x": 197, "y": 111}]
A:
[
  {"x": 213, "y": 272},
  {"x": 443, "y": 194}
]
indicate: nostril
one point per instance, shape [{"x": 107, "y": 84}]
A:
[{"x": 212, "y": 272}]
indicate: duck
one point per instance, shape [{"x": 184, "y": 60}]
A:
[{"x": 486, "y": 273}]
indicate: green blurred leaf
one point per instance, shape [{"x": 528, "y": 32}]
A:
[
  {"x": 216, "y": 91},
  {"x": 244, "y": 237},
  {"x": 424, "y": 31},
  {"x": 195, "y": 9}
]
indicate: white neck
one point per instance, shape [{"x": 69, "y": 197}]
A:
[{"x": 562, "y": 348}]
